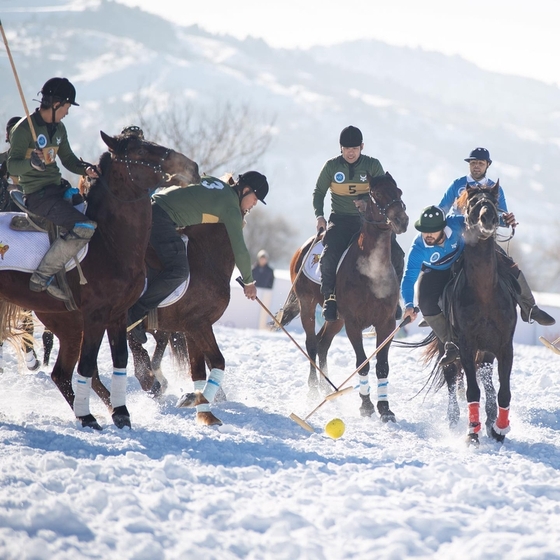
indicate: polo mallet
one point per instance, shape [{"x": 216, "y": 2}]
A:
[
  {"x": 239, "y": 280},
  {"x": 31, "y": 127},
  {"x": 551, "y": 345},
  {"x": 339, "y": 392},
  {"x": 280, "y": 313}
]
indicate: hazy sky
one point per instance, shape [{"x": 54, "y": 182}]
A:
[{"x": 510, "y": 36}]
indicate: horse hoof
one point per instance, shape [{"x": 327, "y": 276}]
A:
[
  {"x": 495, "y": 435},
  {"x": 155, "y": 390},
  {"x": 89, "y": 421},
  {"x": 121, "y": 417},
  {"x": 385, "y": 413},
  {"x": 472, "y": 440},
  {"x": 207, "y": 419},
  {"x": 190, "y": 400},
  {"x": 388, "y": 417},
  {"x": 367, "y": 408}
]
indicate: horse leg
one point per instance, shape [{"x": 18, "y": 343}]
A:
[
  {"x": 48, "y": 341},
  {"x": 382, "y": 372},
  {"x": 473, "y": 391},
  {"x": 160, "y": 384},
  {"x": 354, "y": 334},
  {"x": 501, "y": 426},
  {"x": 116, "y": 332},
  {"x": 201, "y": 348},
  {"x": 308, "y": 323},
  {"x": 142, "y": 365},
  {"x": 450, "y": 372},
  {"x": 485, "y": 371},
  {"x": 324, "y": 340}
]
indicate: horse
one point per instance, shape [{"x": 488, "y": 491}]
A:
[
  {"x": 367, "y": 292},
  {"x": 187, "y": 323},
  {"x": 484, "y": 318},
  {"x": 119, "y": 201}
]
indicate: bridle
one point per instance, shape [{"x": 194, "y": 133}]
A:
[
  {"x": 477, "y": 202},
  {"x": 382, "y": 210}
]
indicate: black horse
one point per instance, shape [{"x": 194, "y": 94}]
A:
[{"x": 484, "y": 317}]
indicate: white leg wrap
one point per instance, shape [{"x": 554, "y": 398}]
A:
[
  {"x": 364, "y": 384},
  {"x": 81, "y": 395},
  {"x": 382, "y": 390},
  {"x": 199, "y": 386},
  {"x": 118, "y": 387},
  {"x": 213, "y": 384}
]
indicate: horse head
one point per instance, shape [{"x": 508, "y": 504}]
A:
[
  {"x": 137, "y": 154},
  {"x": 384, "y": 205},
  {"x": 481, "y": 213}
]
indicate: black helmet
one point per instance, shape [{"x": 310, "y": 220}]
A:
[
  {"x": 133, "y": 130},
  {"x": 58, "y": 89},
  {"x": 431, "y": 220},
  {"x": 9, "y": 125},
  {"x": 256, "y": 181},
  {"x": 350, "y": 137},
  {"x": 480, "y": 153}
]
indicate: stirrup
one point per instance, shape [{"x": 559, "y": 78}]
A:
[
  {"x": 450, "y": 354},
  {"x": 330, "y": 309}
]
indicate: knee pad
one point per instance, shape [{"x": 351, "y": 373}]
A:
[{"x": 82, "y": 230}]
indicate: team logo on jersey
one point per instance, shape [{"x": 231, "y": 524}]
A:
[
  {"x": 339, "y": 177},
  {"x": 41, "y": 140},
  {"x": 434, "y": 257},
  {"x": 58, "y": 141},
  {"x": 363, "y": 178},
  {"x": 212, "y": 185}
]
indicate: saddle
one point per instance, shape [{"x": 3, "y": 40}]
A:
[{"x": 33, "y": 222}]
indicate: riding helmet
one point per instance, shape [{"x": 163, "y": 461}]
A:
[
  {"x": 350, "y": 137},
  {"x": 480, "y": 153},
  {"x": 59, "y": 89},
  {"x": 9, "y": 125},
  {"x": 255, "y": 181},
  {"x": 431, "y": 220},
  {"x": 133, "y": 130}
]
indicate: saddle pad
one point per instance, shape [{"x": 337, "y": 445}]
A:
[
  {"x": 179, "y": 291},
  {"x": 311, "y": 266},
  {"x": 23, "y": 250}
]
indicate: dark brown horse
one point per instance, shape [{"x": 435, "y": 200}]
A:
[
  {"x": 187, "y": 323},
  {"x": 119, "y": 201},
  {"x": 484, "y": 318},
  {"x": 367, "y": 292}
]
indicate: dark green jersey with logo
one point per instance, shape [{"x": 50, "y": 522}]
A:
[
  {"x": 346, "y": 181},
  {"x": 53, "y": 140},
  {"x": 209, "y": 202}
]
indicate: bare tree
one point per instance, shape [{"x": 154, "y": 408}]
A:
[
  {"x": 224, "y": 137},
  {"x": 274, "y": 234}
]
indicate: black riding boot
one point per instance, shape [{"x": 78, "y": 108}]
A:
[
  {"x": 330, "y": 312},
  {"x": 439, "y": 325}
]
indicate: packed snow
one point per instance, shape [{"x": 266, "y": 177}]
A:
[{"x": 260, "y": 487}]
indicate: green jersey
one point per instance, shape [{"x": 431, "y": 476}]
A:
[
  {"x": 209, "y": 202},
  {"x": 346, "y": 181},
  {"x": 53, "y": 140}
]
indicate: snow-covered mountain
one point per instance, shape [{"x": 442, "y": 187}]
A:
[{"x": 421, "y": 112}]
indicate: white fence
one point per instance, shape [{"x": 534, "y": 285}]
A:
[{"x": 243, "y": 313}]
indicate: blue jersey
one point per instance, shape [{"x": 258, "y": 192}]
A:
[
  {"x": 438, "y": 257},
  {"x": 449, "y": 201}
]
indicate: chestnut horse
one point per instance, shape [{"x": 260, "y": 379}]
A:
[
  {"x": 119, "y": 201},
  {"x": 367, "y": 292},
  {"x": 484, "y": 317},
  {"x": 187, "y": 323}
]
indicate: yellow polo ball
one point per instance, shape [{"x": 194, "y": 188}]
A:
[{"x": 335, "y": 428}]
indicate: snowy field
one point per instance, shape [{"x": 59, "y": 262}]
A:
[{"x": 263, "y": 488}]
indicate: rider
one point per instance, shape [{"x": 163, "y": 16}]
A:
[
  {"x": 347, "y": 177},
  {"x": 46, "y": 193},
  {"x": 439, "y": 244},
  {"x": 479, "y": 161},
  {"x": 211, "y": 201}
]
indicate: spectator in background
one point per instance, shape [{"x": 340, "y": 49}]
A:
[{"x": 263, "y": 274}]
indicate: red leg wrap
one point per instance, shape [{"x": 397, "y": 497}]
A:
[
  {"x": 474, "y": 418},
  {"x": 502, "y": 421}
]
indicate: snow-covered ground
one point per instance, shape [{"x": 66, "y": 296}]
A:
[{"x": 263, "y": 488}]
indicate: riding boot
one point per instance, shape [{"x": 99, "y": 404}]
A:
[
  {"x": 59, "y": 253},
  {"x": 329, "y": 308},
  {"x": 529, "y": 310},
  {"x": 439, "y": 325}
]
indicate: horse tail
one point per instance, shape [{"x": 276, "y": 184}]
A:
[
  {"x": 179, "y": 350},
  {"x": 14, "y": 327},
  {"x": 290, "y": 310}
]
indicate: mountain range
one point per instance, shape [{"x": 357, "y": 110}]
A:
[{"x": 421, "y": 112}]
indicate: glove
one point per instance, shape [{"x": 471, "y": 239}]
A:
[
  {"x": 70, "y": 192},
  {"x": 36, "y": 162}
]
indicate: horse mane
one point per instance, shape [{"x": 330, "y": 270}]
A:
[{"x": 462, "y": 202}]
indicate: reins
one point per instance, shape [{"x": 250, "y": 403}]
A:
[{"x": 382, "y": 211}]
